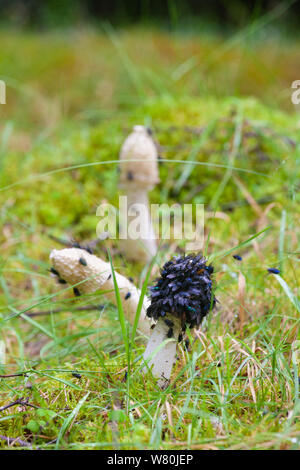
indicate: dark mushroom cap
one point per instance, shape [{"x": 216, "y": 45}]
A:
[{"x": 183, "y": 289}]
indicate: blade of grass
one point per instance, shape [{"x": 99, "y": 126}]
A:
[
  {"x": 141, "y": 300},
  {"x": 294, "y": 300},
  {"x": 237, "y": 137},
  {"x": 120, "y": 308},
  {"x": 281, "y": 239},
  {"x": 36, "y": 177},
  {"x": 190, "y": 162},
  {"x": 132, "y": 71},
  {"x": 57, "y": 379},
  {"x": 44, "y": 300},
  {"x": 223, "y": 253},
  {"x": 123, "y": 329},
  {"x": 69, "y": 419}
]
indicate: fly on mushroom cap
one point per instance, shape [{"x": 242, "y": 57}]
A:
[
  {"x": 183, "y": 289},
  {"x": 138, "y": 158}
]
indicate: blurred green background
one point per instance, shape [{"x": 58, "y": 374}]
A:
[{"x": 94, "y": 57}]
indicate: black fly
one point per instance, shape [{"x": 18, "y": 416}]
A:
[
  {"x": 209, "y": 269},
  {"x": 76, "y": 291},
  {"x": 170, "y": 333},
  {"x": 130, "y": 176},
  {"x": 76, "y": 375},
  {"x": 274, "y": 271},
  {"x": 53, "y": 271}
]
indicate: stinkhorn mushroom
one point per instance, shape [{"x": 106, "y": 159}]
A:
[
  {"x": 76, "y": 265},
  {"x": 138, "y": 175},
  {"x": 181, "y": 297}
]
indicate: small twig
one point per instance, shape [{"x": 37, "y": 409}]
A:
[
  {"x": 17, "y": 402},
  {"x": 61, "y": 241},
  {"x": 12, "y": 440},
  {"x": 21, "y": 402},
  {"x": 53, "y": 441},
  {"x": 59, "y": 310},
  {"x": 13, "y": 375},
  {"x": 233, "y": 204},
  {"x": 91, "y": 245},
  {"x": 241, "y": 297}
]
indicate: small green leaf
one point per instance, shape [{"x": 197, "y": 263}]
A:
[
  {"x": 33, "y": 426},
  {"x": 47, "y": 414},
  {"x": 117, "y": 415}
]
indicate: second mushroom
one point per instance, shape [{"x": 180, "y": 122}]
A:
[{"x": 138, "y": 175}]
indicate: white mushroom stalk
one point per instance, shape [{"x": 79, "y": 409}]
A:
[
  {"x": 181, "y": 297},
  {"x": 75, "y": 265},
  {"x": 138, "y": 175},
  {"x": 161, "y": 362}
]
